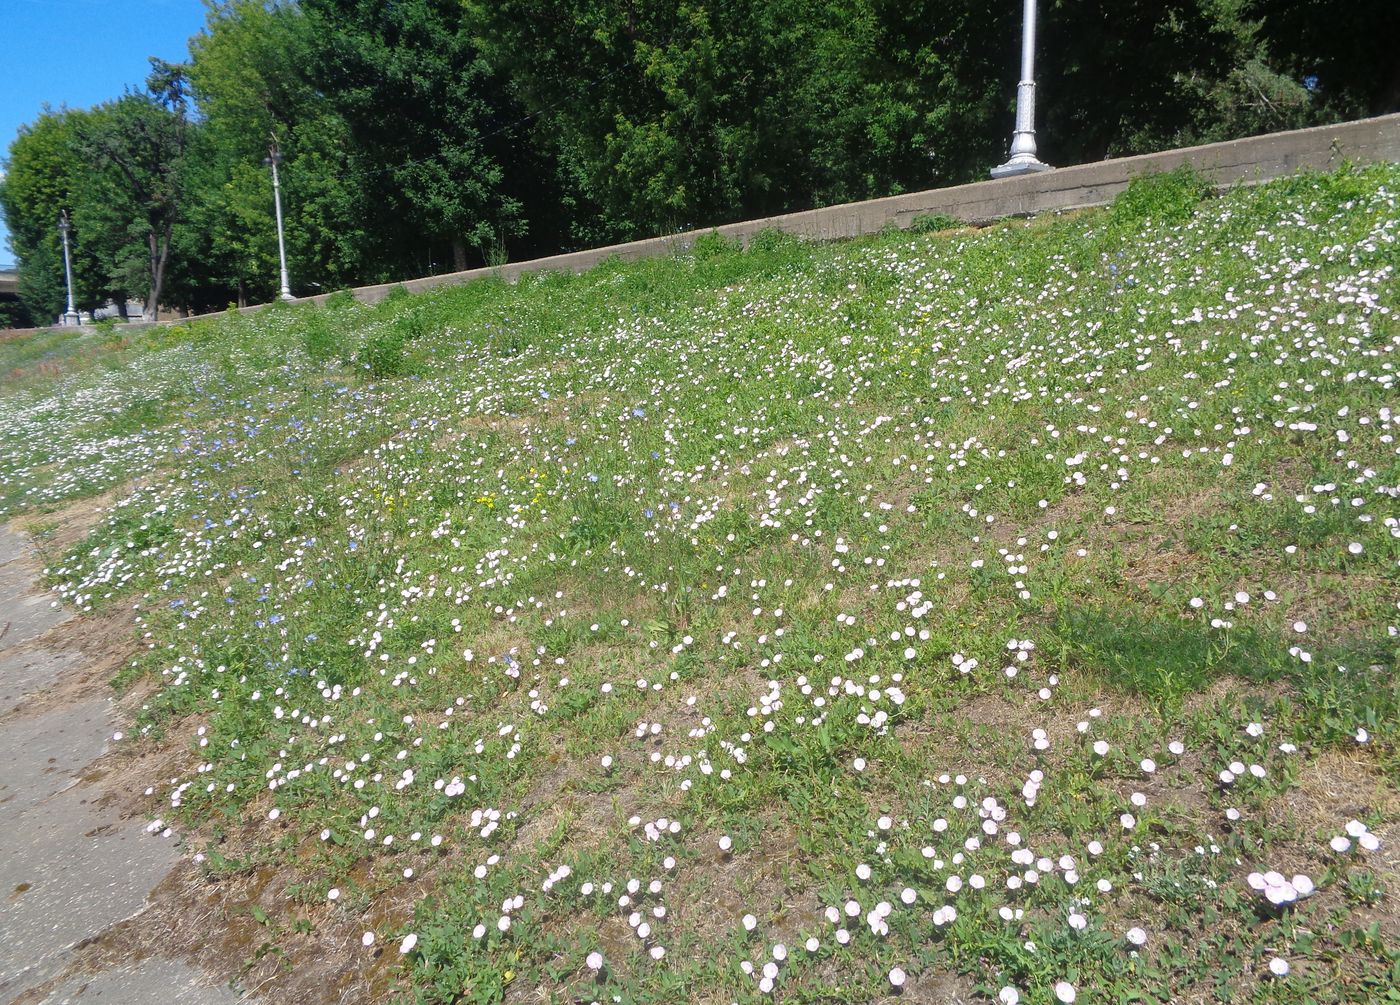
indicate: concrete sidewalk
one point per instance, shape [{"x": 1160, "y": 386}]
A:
[{"x": 69, "y": 868}]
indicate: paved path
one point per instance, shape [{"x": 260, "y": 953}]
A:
[{"x": 69, "y": 869}]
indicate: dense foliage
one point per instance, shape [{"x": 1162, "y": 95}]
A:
[{"x": 428, "y": 135}]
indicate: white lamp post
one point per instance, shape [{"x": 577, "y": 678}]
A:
[
  {"x": 274, "y": 158},
  {"x": 1023, "y": 159},
  {"x": 70, "y": 316}
]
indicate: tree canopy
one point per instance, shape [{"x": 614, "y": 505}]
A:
[{"x": 426, "y": 135}]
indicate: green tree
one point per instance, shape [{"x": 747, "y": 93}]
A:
[
  {"x": 665, "y": 115},
  {"x": 136, "y": 145},
  {"x": 1118, "y": 79},
  {"x": 43, "y": 179},
  {"x": 426, "y": 112},
  {"x": 249, "y": 77},
  {"x": 1344, "y": 51}
]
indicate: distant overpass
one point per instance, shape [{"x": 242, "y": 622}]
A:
[{"x": 10, "y": 309}]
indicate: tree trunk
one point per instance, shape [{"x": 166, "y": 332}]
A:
[
  {"x": 459, "y": 255},
  {"x": 149, "y": 310},
  {"x": 160, "y": 256}
]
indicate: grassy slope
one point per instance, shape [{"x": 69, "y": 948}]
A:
[{"x": 850, "y": 553}]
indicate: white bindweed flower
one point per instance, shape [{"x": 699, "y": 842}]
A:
[
  {"x": 1064, "y": 992},
  {"x": 1137, "y": 936},
  {"x": 406, "y": 946}
]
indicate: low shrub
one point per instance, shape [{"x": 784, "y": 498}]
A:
[
  {"x": 383, "y": 353},
  {"x": 319, "y": 338},
  {"x": 340, "y": 300},
  {"x": 1168, "y": 197}
]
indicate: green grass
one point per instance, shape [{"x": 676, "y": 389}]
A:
[{"x": 1008, "y": 481}]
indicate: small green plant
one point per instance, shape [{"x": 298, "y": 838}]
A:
[
  {"x": 1167, "y": 197},
  {"x": 411, "y": 325},
  {"x": 383, "y": 353},
  {"x": 107, "y": 332},
  {"x": 769, "y": 240},
  {"x": 1364, "y": 887},
  {"x": 340, "y": 300},
  {"x": 932, "y": 223},
  {"x": 713, "y": 245},
  {"x": 318, "y": 338},
  {"x": 494, "y": 250}
]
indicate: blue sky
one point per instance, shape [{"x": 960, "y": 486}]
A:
[{"x": 81, "y": 52}]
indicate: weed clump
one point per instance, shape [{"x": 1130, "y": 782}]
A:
[
  {"x": 318, "y": 338},
  {"x": 1168, "y": 197},
  {"x": 933, "y": 223},
  {"x": 340, "y": 300},
  {"x": 713, "y": 245},
  {"x": 383, "y": 353}
]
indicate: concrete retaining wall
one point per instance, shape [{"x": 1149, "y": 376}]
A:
[
  {"x": 1252, "y": 160},
  {"x": 1248, "y": 161}
]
